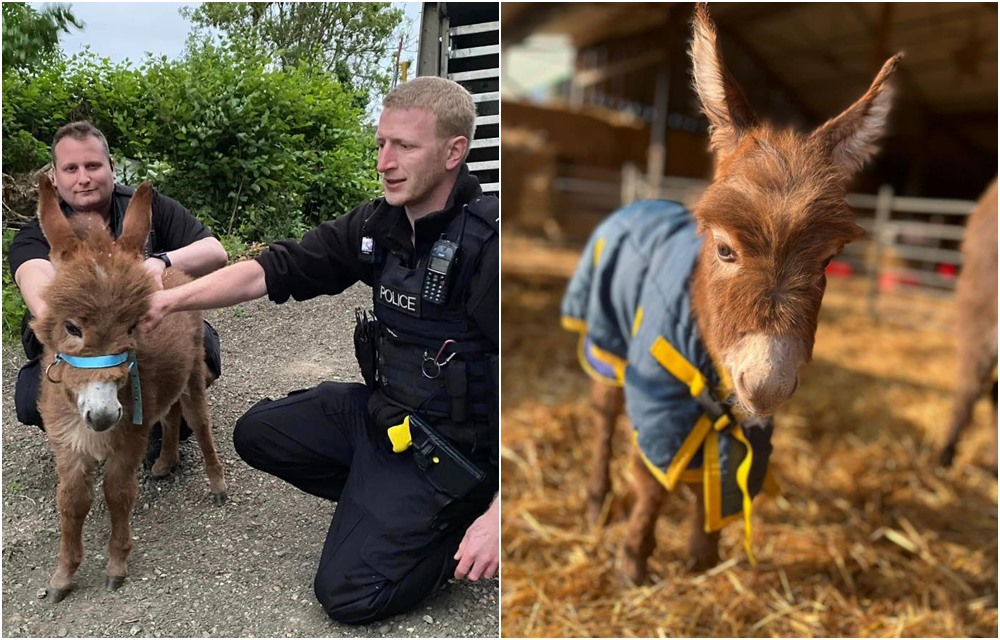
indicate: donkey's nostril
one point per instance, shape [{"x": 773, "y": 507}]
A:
[{"x": 89, "y": 420}]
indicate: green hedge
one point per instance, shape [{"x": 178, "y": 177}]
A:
[
  {"x": 257, "y": 154},
  {"x": 253, "y": 152}
]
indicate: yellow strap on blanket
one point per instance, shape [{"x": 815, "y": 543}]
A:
[
  {"x": 743, "y": 482},
  {"x": 679, "y": 366}
]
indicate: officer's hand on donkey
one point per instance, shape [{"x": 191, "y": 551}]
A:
[{"x": 411, "y": 455}]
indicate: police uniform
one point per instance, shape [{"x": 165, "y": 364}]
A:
[
  {"x": 630, "y": 301},
  {"x": 173, "y": 227},
  {"x": 396, "y": 527}
]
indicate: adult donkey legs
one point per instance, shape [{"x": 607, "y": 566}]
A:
[{"x": 976, "y": 363}]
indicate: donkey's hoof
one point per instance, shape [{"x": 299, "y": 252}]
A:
[
  {"x": 56, "y": 595},
  {"x": 946, "y": 456},
  {"x": 220, "y": 498},
  {"x": 632, "y": 570},
  {"x": 702, "y": 555},
  {"x": 701, "y": 564},
  {"x": 595, "y": 509},
  {"x": 162, "y": 469},
  {"x": 593, "y": 515},
  {"x": 113, "y": 582}
]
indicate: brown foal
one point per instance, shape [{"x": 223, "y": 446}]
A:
[
  {"x": 773, "y": 217},
  {"x": 88, "y": 399}
]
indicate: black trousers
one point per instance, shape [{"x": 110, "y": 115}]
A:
[
  {"x": 29, "y": 378},
  {"x": 393, "y": 536}
]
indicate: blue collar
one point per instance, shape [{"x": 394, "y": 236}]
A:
[
  {"x": 104, "y": 362},
  {"x": 93, "y": 362}
]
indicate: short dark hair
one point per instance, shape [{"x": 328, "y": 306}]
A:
[{"x": 79, "y": 130}]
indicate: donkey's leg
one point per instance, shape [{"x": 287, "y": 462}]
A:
[
  {"x": 991, "y": 459},
  {"x": 606, "y": 405},
  {"x": 640, "y": 536},
  {"x": 703, "y": 547},
  {"x": 975, "y": 365},
  {"x": 169, "y": 442},
  {"x": 120, "y": 489},
  {"x": 74, "y": 495},
  {"x": 195, "y": 407}
]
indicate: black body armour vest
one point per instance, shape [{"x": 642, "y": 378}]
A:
[{"x": 431, "y": 357}]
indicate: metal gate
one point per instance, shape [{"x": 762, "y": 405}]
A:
[{"x": 461, "y": 41}]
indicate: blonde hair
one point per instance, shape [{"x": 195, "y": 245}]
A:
[{"x": 452, "y": 105}]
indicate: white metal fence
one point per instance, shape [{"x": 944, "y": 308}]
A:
[{"x": 911, "y": 246}]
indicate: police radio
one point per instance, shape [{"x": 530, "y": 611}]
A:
[{"x": 443, "y": 256}]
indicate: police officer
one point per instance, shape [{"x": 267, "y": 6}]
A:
[
  {"x": 411, "y": 456},
  {"x": 85, "y": 179}
]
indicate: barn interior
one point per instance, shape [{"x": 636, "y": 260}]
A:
[
  {"x": 628, "y": 101},
  {"x": 869, "y": 535}
]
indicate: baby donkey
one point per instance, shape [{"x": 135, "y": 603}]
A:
[
  {"x": 106, "y": 381},
  {"x": 702, "y": 318}
]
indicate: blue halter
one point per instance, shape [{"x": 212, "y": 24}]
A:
[{"x": 105, "y": 362}]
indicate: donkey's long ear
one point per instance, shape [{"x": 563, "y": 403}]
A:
[
  {"x": 138, "y": 218},
  {"x": 722, "y": 98},
  {"x": 851, "y": 136},
  {"x": 63, "y": 241}
]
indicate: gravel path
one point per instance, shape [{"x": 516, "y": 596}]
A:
[{"x": 245, "y": 569}]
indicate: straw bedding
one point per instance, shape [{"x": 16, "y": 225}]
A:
[{"x": 868, "y": 538}]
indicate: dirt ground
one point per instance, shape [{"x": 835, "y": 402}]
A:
[
  {"x": 868, "y": 537},
  {"x": 245, "y": 569}
]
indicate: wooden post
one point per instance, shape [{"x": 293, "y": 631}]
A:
[
  {"x": 883, "y": 211},
  {"x": 432, "y": 56},
  {"x": 632, "y": 189},
  {"x": 656, "y": 156}
]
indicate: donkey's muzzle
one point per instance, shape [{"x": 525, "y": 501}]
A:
[
  {"x": 102, "y": 421},
  {"x": 98, "y": 405},
  {"x": 765, "y": 371}
]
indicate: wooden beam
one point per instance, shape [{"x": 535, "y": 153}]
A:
[
  {"x": 590, "y": 77},
  {"x": 515, "y": 29}
]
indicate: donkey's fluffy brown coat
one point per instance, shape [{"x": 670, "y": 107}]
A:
[
  {"x": 101, "y": 292},
  {"x": 772, "y": 219}
]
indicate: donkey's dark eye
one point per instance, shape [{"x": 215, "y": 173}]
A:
[
  {"x": 826, "y": 263},
  {"x": 73, "y": 330},
  {"x": 725, "y": 253},
  {"x": 132, "y": 328}
]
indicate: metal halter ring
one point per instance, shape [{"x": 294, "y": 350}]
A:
[{"x": 49, "y": 376}]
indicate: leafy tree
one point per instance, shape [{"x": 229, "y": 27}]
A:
[
  {"x": 31, "y": 37},
  {"x": 352, "y": 40}
]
